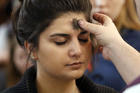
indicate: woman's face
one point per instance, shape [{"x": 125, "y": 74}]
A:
[
  {"x": 64, "y": 51},
  {"x": 111, "y": 8}
]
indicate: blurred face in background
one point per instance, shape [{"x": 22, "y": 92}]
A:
[
  {"x": 138, "y": 7},
  {"x": 111, "y": 8},
  {"x": 20, "y": 60}
]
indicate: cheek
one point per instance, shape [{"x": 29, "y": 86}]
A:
[
  {"x": 118, "y": 5},
  {"x": 50, "y": 55},
  {"x": 114, "y": 12}
]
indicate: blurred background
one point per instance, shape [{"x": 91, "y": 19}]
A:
[
  {"x": 12, "y": 57},
  {"x": 13, "y": 62}
]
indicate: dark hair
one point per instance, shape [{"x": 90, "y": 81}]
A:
[
  {"x": 35, "y": 15},
  {"x": 9, "y": 8}
]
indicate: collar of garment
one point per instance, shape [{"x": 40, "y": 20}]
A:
[{"x": 28, "y": 84}]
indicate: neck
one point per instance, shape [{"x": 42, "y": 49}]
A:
[{"x": 49, "y": 84}]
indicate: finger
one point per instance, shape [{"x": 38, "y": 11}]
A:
[
  {"x": 93, "y": 28},
  {"x": 101, "y": 18}
]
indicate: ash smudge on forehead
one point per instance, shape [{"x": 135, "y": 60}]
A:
[{"x": 75, "y": 24}]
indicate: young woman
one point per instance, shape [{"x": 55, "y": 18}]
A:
[{"x": 48, "y": 29}]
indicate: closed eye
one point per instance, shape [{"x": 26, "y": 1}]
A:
[
  {"x": 83, "y": 40},
  {"x": 60, "y": 43},
  {"x": 84, "y": 36}
]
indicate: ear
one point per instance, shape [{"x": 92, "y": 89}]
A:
[{"x": 31, "y": 50}]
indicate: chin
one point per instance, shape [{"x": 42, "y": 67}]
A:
[{"x": 76, "y": 74}]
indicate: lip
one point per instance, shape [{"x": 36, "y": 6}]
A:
[
  {"x": 102, "y": 11},
  {"x": 75, "y": 65}
]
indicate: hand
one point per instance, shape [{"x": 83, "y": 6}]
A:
[{"x": 105, "y": 33}]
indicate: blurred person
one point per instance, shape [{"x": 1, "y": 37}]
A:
[
  {"x": 16, "y": 67},
  {"x": 49, "y": 31},
  {"x": 123, "y": 14},
  {"x": 5, "y": 29}
]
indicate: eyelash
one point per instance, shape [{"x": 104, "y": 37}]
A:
[
  {"x": 83, "y": 40},
  {"x": 62, "y": 43}
]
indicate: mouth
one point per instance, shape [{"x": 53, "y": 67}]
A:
[
  {"x": 100, "y": 10},
  {"x": 75, "y": 65}
]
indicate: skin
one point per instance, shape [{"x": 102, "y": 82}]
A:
[
  {"x": 124, "y": 57},
  {"x": 111, "y": 8},
  {"x": 60, "y": 46}
]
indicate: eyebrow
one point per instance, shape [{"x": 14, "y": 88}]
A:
[
  {"x": 58, "y": 34},
  {"x": 67, "y": 35}
]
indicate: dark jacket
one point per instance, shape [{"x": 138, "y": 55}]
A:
[{"x": 28, "y": 85}]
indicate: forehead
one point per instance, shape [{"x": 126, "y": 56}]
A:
[{"x": 65, "y": 23}]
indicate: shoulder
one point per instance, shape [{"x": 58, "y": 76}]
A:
[
  {"x": 26, "y": 84},
  {"x": 104, "y": 89},
  {"x": 15, "y": 89},
  {"x": 20, "y": 87}
]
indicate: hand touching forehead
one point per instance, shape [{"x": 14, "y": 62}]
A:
[{"x": 138, "y": 7}]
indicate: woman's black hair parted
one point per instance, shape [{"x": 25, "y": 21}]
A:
[{"x": 35, "y": 15}]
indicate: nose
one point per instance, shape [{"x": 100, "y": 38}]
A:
[
  {"x": 100, "y": 3},
  {"x": 75, "y": 49}
]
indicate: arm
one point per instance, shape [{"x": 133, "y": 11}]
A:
[{"x": 124, "y": 57}]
